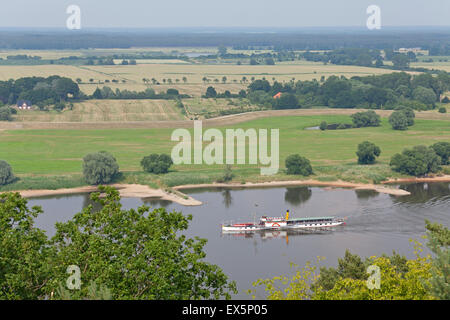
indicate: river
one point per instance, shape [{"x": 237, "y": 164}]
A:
[{"x": 376, "y": 224}]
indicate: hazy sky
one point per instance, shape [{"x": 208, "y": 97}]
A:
[{"x": 225, "y": 13}]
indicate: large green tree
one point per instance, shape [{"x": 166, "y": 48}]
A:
[
  {"x": 100, "y": 168},
  {"x": 367, "y": 152},
  {"x": 121, "y": 254},
  {"x": 136, "y": 254}
]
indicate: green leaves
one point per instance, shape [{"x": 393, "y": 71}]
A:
[{"x": 121, "y": 254}]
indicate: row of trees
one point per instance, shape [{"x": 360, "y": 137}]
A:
[
  {"x": 419, "y": 92},
  {"x": 418, "y": 161},
  {"x": 102, "y": 167},
  {"x": 40, "y": 91}
]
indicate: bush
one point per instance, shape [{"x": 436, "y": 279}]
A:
[
  {"x": 442, "y": 110},
  {"x": 173, "y": 92},
  {"x": 5, "y": 114},
  {"x": 157, "y": 163},
  {"x": 418, "y": 161},
  {"x": 227, "y": 174},
  {"x": 442, "y": 149},
  {"x": 367, "y": 152},
  {"x": 323, "y": 125},
  {"x": 6, "y": 173},
  {"x": 341, "y": 126},
  {"x": 100, "y": 168},
  {"x": 398, "y": 120},
  {"x": 295, "y": 164},
  {"x": 366, "y": 119}
]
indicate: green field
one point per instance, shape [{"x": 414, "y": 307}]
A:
[{"x": 39, "y": 156}]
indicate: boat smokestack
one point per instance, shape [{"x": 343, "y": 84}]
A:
[{"x": 287, "y": 214}]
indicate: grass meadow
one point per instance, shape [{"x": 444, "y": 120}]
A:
[{"x": 53, "y": 158}]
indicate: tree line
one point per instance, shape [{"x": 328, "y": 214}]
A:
[{"x": 419, "y": 92}]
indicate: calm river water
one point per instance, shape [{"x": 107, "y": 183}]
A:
[{"x": 376, "y": 224}]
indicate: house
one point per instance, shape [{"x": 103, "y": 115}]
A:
[
  {"x": 278, "y": 95},
  {"x": 24, "y": 104}
]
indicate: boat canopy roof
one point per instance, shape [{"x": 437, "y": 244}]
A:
[{"x": 312, "y": 219}]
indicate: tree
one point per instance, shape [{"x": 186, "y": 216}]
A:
[
  {"x": 295, "y": 164},
  {"x": 400, "y": 61},
  {"x": 122, "y": 254},
  {"x": 286, "y": 101},
  {"x": 137, "y": 254},
  {"x": 367, "y": 152},
  {"x": 438, "y": 242},
  {"x": 224, "y": 79},
  {"x": 366, "y": 119},
  {"x": 100, "y": 168},
  {"x": 425, "y": 95},
  {"x": 157, "y": 163},
  {"x": 417, "y": 161},
  {"x": 323, "y": 125},
  {"x": 97, "y": 94},
  {"x": 24, "y": 252},
  {"x": 398, "y": 120},
  {"x": 222, "y": 50},
  {"x": 442, "y": 149},
  {"x": 6, "y": 173},
  {"x": 409, "y": 113},
  {"x": 210, "y": 92}
]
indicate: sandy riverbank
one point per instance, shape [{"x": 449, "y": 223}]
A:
[
  {"x": 142, "y": 191},
  {"x": 335, "y": 184},
  {"x": 125, "y": 190}
]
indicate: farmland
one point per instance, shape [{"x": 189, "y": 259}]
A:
[
  {"x": 131, "y": 77},
  {"x": 107, "y": 110}
]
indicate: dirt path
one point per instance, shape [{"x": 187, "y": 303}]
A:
[{"x": 215, "y": 122}]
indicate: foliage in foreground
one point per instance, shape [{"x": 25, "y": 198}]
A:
[
  {"x": 400, "y": 279},
  {"x": 121, "y": 254}
]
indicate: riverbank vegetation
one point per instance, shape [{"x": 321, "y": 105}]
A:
[
  {"x": 382, "y": 277},
  {"x": 121, "y": 254},
  {"x": 332, "y": 155}
]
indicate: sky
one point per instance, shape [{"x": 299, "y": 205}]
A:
[{"x": 225, "y": 13}]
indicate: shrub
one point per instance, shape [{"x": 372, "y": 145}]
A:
[
  {"x": 227, "y": 174},
  {"x": 417, "y": 161},
  {"x": 367, "y": 152},
  {"x": 157, "y": 163},
  {"x": 100, "y": 168},
  {"x": 5, "y": 114},
  {"x": 6, "y": 173},
  {"x": 323, "y": 125},
  {"x": 295, "y": 164},
  {"x": 341, "y": 126},
  {"x": 173, "y": 92},
  {"x": 442, "y": 110}
]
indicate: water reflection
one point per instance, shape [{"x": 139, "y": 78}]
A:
[
  {"x": 297, "y": 195},
  {"x": 424, "y": 193},
  {"x": 366, "y": 194},
  {"x": 376, "y": 224}
]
